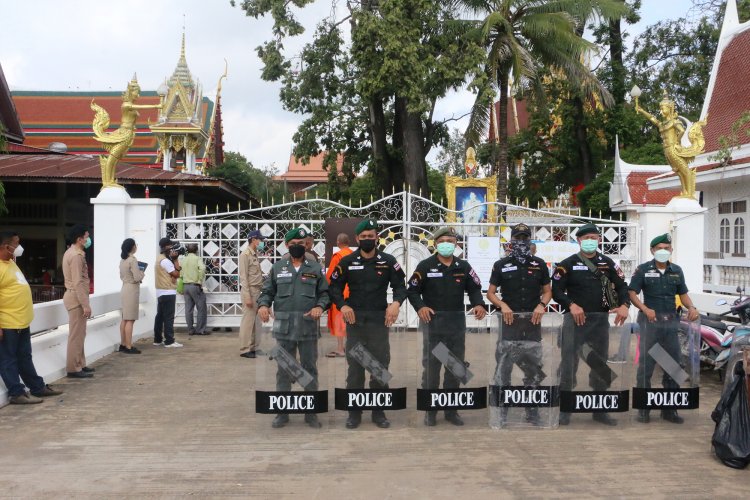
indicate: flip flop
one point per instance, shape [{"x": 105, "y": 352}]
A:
[{"x": 334, "y": 354}]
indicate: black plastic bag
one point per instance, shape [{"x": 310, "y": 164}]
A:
[{"x": 731, "y": 439}]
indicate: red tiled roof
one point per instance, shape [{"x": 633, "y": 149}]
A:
[
  {"x": 312, "y": 172},
  {"x": 638, "y": 189},
  {"x": 66, "y": 117},
  {"x": 86, "y": 169},
  {"x": 731, "y": 93}
]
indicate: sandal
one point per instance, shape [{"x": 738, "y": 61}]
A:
[{"x": 334, "y": 354}]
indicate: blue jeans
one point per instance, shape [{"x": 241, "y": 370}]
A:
[
  {"x": 164, "y": 321},
  {"x": 16, "y": 363}
]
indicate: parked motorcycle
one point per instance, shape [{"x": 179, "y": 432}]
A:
[
  {"x": 716, "y": 335},
  {"x": 739, "y": 337}
]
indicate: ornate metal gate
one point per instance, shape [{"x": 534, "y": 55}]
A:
[{"x": 407, "y": 223}]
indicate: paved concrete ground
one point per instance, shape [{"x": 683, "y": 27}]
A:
[{"x": 178, "y": 423}]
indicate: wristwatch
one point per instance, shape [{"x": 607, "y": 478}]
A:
[{"x": 543, "y": 304}]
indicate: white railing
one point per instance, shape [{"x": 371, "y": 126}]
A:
[
  {"x": 725, "y": 275},
  {"x": 49, "y": 331}
]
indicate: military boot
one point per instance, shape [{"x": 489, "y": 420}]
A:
[
  {"x": 453, "y": 417},
  {"x": 603, "y": 418},
  {"x": 355, "y": 418},
  {"x": 532, "y": 416},
  {"x": 672, "y": 416},
  {"x": 379, "y": 419},
  {"x": 430, "y": 419},
  {"x": 280, "y": 421},
  {"x": 643, "y": 416},
  {"x": 311, "y": 420}
]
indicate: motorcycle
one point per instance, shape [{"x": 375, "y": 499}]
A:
[
  {"x": 716, "y": 336},
  {"x": 739, "y": 337}
]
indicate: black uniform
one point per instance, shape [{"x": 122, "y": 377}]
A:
[
  {"x": 573, "y": 282},
  {"x": 368, "y": 281},
  {"x": 659, "y": 290},
  {"x": 520, "y": 285},
  {"x": 442, "y": 289}
]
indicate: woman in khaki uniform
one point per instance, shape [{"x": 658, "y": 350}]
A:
[{"x": 131, "y": 276}]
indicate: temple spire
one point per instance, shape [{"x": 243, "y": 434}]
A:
[{"x": 182, "y": 72}]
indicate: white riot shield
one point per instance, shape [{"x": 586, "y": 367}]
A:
[
  {"x": 451, "y": 370},
  {"x": 371, "y": 381},
  {"x": 594, "y": 382},
  {"x": 667, "y": 368},
  {"x": 524, "y": 384},
  {"x": 291, "y": 388}
]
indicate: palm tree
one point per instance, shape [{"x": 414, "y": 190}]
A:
[{"x": 522, "y": 36}]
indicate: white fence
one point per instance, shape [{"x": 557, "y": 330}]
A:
[{"x": 50, "y": 333}]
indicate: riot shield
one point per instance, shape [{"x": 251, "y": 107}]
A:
[
  {"x": 524, "y": 384},
  {"x": 371, "y": 380},
  {"x": 667, "y": 368},
  {"x": 594, "y": 369},
  {"x": 451, "y": 370},
  {"x": 290, "y": 380}
]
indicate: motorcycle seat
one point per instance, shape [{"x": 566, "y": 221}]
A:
[{"x": 719, "y": 325}]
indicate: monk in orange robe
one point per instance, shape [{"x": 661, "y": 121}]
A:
[{"x": 336, "y": 324}]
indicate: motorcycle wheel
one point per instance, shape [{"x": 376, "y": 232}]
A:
[{"x": 730, "y": 366}]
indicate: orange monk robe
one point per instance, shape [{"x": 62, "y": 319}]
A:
[{"x": 336, "y": 323}]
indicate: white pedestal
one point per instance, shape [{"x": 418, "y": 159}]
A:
[
  {"x": 117, "y": 216},
  {"x": 684, "y": 220}
]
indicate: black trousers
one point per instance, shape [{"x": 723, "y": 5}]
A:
[
  {"x": 594, "y": 333},
  {"x": 370, "y": 331},
  {"x": 164, "y": 321}
]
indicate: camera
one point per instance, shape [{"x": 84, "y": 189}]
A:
[{"x": 178, "y": 248}]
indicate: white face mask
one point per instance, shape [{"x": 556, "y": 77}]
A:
[
  {"x": 662, "y": 255},
  {"x": 18, "y": 251}
]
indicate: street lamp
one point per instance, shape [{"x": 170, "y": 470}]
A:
[{"x": 635, "y": 92}]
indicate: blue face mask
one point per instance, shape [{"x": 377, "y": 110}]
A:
[
  {"x": 446, "y": 248},
  {"x": 261, "y": 246},
  {"x": 88, "y": 242},
  {"x": 589, "y": 246}
]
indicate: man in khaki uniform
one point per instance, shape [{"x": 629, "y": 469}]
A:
[
  {"x": 76, "y": 300},
  {"x": 251, "y": 281}
]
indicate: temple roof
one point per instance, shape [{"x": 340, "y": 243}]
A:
[
  {"x": 313, "y": 172},
  {"x": 182, "y": 72},
  {"x": 51, "y": 116}
]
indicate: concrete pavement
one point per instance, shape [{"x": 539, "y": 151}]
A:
[{"x": 179, "y": 422}]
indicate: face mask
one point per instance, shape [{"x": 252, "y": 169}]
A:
[
  {"x": 88, "y": 242},
  {"x": 18, "y": 251},
  {"x": 261, "y": 246},
  {"x": 589, "y": 246},
  {"x": 520, "y": 249},
  {"x": 296, "y": 251},
  {"x": 446, "y": 248},
  {"x": 367, "y": 246},
  {"x": 662, "y": 255}
]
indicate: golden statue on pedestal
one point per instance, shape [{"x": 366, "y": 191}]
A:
[
  {"x": 119, "y": 141},
  {"x": 672, "y": 129}
]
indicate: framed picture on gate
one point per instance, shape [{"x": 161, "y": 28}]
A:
[{"x": 471, "y": 201}]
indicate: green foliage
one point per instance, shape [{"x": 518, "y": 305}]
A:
[
  {"x": 258, "y": 182},
  {"x": 450, "y": 159},
  {"x": 367, "y": 85},
  {"x": 731, "y": 141},
  {"x": 595, "y": 196}
]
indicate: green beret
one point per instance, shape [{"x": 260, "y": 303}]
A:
[
  {"x": 444, "y": 231},
  {"x": 662, "y": 238},
  {"x": 366, "y": 225},
  {"x": 294, "y": 234},
  {"x": 587, "y": 229}
]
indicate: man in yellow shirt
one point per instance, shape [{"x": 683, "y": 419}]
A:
[
  {"x": 193, "y": 273},
  {"x": 16, "y": 313}
]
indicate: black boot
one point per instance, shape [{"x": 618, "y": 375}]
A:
[
  {"x": 672, "y": 416},
  {"x": 564, "y": 418},
  {"x": 454, "y": 418},
  {"x": 644, "y": 416},
  {"x": 280, "y": 421},
  {"x": 604, "y": 418},
  {"x": 532, "y": 416},
  {"x": 379, "y": 419},
  {"x": 430, "y": 419},
  {"x": 355, "y": 418},
  {"x": 311, "y": 419}
]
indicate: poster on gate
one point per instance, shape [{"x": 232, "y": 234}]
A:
[{"x": 482, "y": 252}]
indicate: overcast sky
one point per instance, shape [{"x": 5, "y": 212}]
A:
[{"x": 92, "y": 45}]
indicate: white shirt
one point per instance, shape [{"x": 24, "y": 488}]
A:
[{"x": 168, "y": 266}]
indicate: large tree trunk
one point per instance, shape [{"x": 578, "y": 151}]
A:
[
  {"x": 618, "y": 67},
  {"x": 414, "y": 166},
  {"x": 582, "y": 140},
  {"x": 501, "y": 160},
  {"x": 378, "y": 137}
]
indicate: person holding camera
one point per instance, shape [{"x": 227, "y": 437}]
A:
[
  {"x": 193, "y": 273},
  {"x": 167, "y": 271}
]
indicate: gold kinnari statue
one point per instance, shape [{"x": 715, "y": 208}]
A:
[
  {"x": 471, "y": 161},
  {"x": 672, "y": 129},
  {"x": 119, "y": 141}
]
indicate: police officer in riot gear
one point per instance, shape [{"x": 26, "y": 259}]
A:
[
  {"x": 437, "y": 287},
  {"x": 298, "y": 290},
  {"x": 368, "y": 272},
  {"x": 579, "y": 291},
  {"x": 523, "y": 281},
  {"x": 659, "y": 280}
]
